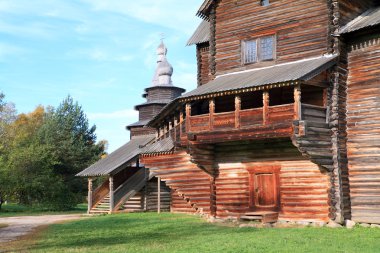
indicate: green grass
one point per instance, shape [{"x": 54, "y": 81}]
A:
[
  {"x": 10, "y": 210},
  {"x": 149, "y": 232}
]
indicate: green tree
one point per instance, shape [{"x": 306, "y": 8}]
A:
[{"x": 72, "y": 143}]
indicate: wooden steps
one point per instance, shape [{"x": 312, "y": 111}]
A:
[
  {"x": 103, "y": 207},
  {"x": 263, "y": 216}
]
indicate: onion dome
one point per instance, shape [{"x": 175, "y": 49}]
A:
[{"x": 164, "y": 68}]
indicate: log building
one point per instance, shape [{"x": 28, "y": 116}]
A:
[{"x": 283, "y": 125}]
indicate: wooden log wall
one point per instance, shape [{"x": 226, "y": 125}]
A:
[
  {"x": 350, "y": 9},
  {"x": 304, "y": 188},
  {"x": 363, "y": 133},
  {"x": 203, "y": 59},
  {"x": 301, "y": 28},
  {"x": 185, "y": 178}
]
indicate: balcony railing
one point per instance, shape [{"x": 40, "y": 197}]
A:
[{"x": 249, "y": 118}]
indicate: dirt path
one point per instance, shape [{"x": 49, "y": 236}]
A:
[{"x": 23, "y": 225}]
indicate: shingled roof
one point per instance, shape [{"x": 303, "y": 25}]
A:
[
  {"x": 201, "y": 34},
  {"x": 368, "y": 19}
]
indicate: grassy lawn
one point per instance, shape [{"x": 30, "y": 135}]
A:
[
  {"x": 10, "y": 210},
  {"x": 149, "y": 232}
]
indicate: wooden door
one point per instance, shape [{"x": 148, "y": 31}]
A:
[{"x": 264, "y": 188}]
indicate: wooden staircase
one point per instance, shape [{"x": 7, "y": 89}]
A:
[
  {"x": 102, "y": 207},
  {"x": 263, "y": 216},
  {"x": 312, "y": 136}
]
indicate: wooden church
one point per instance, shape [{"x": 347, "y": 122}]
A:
[{"x": 284, "y": 124}]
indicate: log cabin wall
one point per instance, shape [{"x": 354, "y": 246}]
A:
[
  {"x": 350, "y": 9},
  {"x": 148, "y": 112},
  {"x": 203, "y": 59},
  {"x": 301, "y": 29},
  {"x": 363, "y": 123},
  {"x": 303, "y": 186},
  {"x": 139, "y": 131},
  {"x": 190, "y": 184}
]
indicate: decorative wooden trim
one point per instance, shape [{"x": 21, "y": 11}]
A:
[
  {"x": 265, "y": 107},
  {"x": 237, "y": 111},
  {"x": 158, "y": 195}
]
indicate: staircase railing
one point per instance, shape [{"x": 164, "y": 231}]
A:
[{"x": 100, "y": 193}]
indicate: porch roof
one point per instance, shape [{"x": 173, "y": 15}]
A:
[
  {"x": 201, "y": 35},
  {"x": 302, "y": 70},
  {"x": 120, "y": 157},
  {"x": 367, "y": 19},
  {"x": 159, "y": 147}
]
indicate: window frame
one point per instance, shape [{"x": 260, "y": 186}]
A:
[
  {"x": 264, "y": 3},
  {"x": 258, "y": 50}
]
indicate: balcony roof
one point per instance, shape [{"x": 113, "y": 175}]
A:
[
  {"x": 302, "y": 70},
  {"x": 368, "y": 19}
]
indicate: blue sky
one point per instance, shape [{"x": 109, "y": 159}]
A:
[{"x": 101, "y": 52}]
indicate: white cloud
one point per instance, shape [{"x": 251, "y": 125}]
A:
[
  {"x": 123, "y": 114},
  {"x": 174, "y": 14}
]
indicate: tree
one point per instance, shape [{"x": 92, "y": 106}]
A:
[
  {"x": 7, "y": 117},
  {"x": 72, "y": 143}
]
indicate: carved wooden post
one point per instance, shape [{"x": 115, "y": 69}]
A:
[
  {"x": 297, "y": 102},
  {"x": 158, "y": 195},
  {"x": 237, "y": 111},
  {"x": 90, "y": 190},
  {"x": 180, "y": 123},
  {"x": 112, "y": 204},
  {"x": 188, "y": 114},
  {"x": 212, "y": 112},
  {"x": 175, "y": 124},
  {"x": 265, "y": 107}
]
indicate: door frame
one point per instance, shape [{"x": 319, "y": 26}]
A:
[{"x": 259, "y": 169}]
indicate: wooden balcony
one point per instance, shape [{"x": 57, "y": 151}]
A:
[{"x": 270, "y": 122}]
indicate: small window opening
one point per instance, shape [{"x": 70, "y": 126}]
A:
[{"x": 264, "y": 2}]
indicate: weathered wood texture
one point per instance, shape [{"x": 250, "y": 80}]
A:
[
  {"x": 350, "y": 9},
  {"x": 185, "y": 178},
  {"x": 203, "y": 59},
  {"x": 301, "y": 29},
  {"x": 303, "y": 187},
  {"x": 363, "y": 129}
]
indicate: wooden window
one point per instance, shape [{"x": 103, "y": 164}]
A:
[
  {"x": 264, "y": 2},
  {"x": 250, "y": 51},
  {"x": 261, "y": 49},
  {"x": 267, "y": 48}
]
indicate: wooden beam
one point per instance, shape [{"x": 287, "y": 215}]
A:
[
  {"x": 237, "y": 111},
  {"x": 188, "y": 114},
  {"x": 211, "y": 113},
  {"x": 90, "y": 193},
  {"x": 112, "y": 204},
  {"x": 297, "y": 102},
  {"x": 265, "y": 107},
  {"x": 158, "y": 195}
]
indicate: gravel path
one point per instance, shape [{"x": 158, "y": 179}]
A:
[{"x": 22, "y": 225}]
